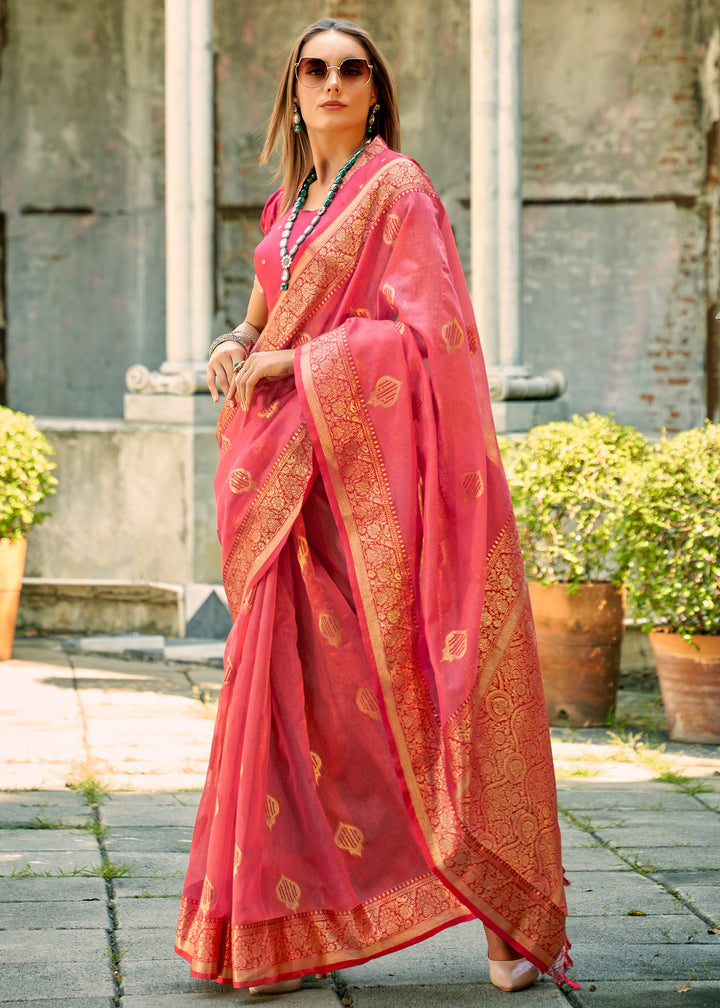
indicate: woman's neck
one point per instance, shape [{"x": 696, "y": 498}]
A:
[{"x": 330, "y": 154}]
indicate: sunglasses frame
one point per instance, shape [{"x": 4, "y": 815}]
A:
[{"x": 329, "y": 67}]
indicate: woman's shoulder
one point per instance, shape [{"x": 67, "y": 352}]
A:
[
  {"x": 271, "y": 210},
  {"x": 399, "y": 175}
]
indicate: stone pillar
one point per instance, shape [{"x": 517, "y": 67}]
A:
[
  {"x": 496, "y": 211},
  {"x": 189, "y": 201},
  {"x": 167, "y": 408}
]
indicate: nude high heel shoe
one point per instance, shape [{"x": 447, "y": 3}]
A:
[
  {"x": 512, "y": 974},
  {"x": 282, "y": 987}
]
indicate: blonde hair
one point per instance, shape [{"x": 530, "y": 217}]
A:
[{"x": 296, "y": 158}]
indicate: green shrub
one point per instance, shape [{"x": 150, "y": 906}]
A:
[
  {"x": 671, "y": 546},
  {"x": 568, "y": 482},
  {"x": 25, "y": 473}
]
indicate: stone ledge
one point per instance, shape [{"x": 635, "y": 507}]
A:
[{"x": 101, "y": 606}]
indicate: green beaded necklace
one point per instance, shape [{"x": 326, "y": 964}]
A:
[{"x": 286, "y": 257}]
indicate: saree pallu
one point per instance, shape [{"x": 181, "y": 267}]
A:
[{"x": 381, "y": 764}]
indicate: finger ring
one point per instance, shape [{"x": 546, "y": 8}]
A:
[{"x": 238, "y": 365}]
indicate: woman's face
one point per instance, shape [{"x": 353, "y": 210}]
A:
[{"x": 334, "y": 106}]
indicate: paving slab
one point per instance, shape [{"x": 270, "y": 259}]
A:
[
  {"x": 72, "y": 888},
  {"x": 56, "y": 981},
  {"x": 458, "y": 954},
  {"x": 49, "y": 863},
  {"x": 146, "y": 888},
  {"x": 597, "y": 960},
  {"x": 306, "y": 998},
  {"x": 70, "y": 1002},
  {"x": 52, "y": 944},
  {"x": 654, "y": 796},
  {"x": 134, "y": 839},
  {"x": 651, "y": 994},
  {"x": 541, "y": 995},
  {"x": 61, "y": 915},
  {"x": 65, "y": 807},
  {"x": 136, "y": 914},
  {"x": 170, "y": 976},
  {"x": 151, "y": 810},
  {"x": 155, "y": 866}
]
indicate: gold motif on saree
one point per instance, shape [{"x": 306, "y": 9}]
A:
[
  {"x": 388, "y": 292},
  {"x": 208, "y": 896},
  {"x": 453, "y": 335},
  {"x": 241, "y": 481},
  {"x": 269, "y": 412},
  {"x": 367, "y": 702},
  {"x": 360, "y": 313},
  {"x": 473, "y": 338},
  {"x": 331, "y": 628},
  {"x": 272, "y": 810},
  {"x": 317, "y": 765},
  {"x": 455, "y": 645},
  {"x": 237, "y": 860},
  {"x": 288, "y": 892},
  {"x": 303, "y": 551},
  {"x": 248, "y": 599},
  {"x": 225, "y": 443},
  {"x": 349, "y": 838},
  {"x": 229, "y": 669},
  {"x": 473, "y": 484},
  {"x": 391, "y": 229},
  {"x": 386, "y": 392}
]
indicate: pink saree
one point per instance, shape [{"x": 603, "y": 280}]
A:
[{"x": 381, "y": 765}]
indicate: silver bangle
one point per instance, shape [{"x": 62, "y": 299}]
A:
[
  {"x": 244, "y": 332},
  {"x": 230, "y": 337}
]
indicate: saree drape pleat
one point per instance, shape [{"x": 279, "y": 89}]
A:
[{"x": 381, "y": 765}]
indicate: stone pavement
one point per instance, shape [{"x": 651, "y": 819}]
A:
[{"x": 89, "y": 882}]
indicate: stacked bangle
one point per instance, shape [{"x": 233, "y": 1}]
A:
[{"x": 236, "y": 337}]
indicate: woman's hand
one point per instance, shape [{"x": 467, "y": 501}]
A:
[
  {"x": 263, "y": 364},
  {"x": 220, "y": 367}
]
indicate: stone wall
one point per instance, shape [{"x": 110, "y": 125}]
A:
[{"x": 620, "y": 186}]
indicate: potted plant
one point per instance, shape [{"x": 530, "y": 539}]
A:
[
  {"x": 25, "y": 480},
  {"x": 568, "y": 484},
  {"x": 672, "y": 557}
]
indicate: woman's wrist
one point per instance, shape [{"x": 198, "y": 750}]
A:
[{"x": 233, "y": 337}]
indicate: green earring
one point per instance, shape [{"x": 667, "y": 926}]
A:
[
  {"x": 371, "y": 120},
  {"x": 297, "y": 121}
]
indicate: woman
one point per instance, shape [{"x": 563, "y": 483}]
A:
[{"x": 381, "y": 766}]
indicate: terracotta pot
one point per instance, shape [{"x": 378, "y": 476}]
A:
[
  {"x": 12, "y": 565},
  {"x": 689, "y": 676},
  {"x": 579, "y": 637}
]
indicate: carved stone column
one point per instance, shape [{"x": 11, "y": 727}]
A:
[
  {"x": 496, "y": 211},
  {"x": 189, "y": 201}
]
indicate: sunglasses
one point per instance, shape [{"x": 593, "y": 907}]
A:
[{"x": 353, "y": 72}]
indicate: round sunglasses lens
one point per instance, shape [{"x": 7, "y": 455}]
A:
[
  {"x": 354, "y": 72},
  {"x": 311, "y": 72}
]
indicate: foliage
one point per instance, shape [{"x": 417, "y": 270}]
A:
[
  {"x": 568, "y": 485},
  {"x": 671, "y": 545},
  {"x": 25, "y": 473}
]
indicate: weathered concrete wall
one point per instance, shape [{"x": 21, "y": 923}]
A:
[
  {"x": 135, "y": 500},
  {"x": 615, "y": 163},
  {"x": 81, "y": 187}
]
